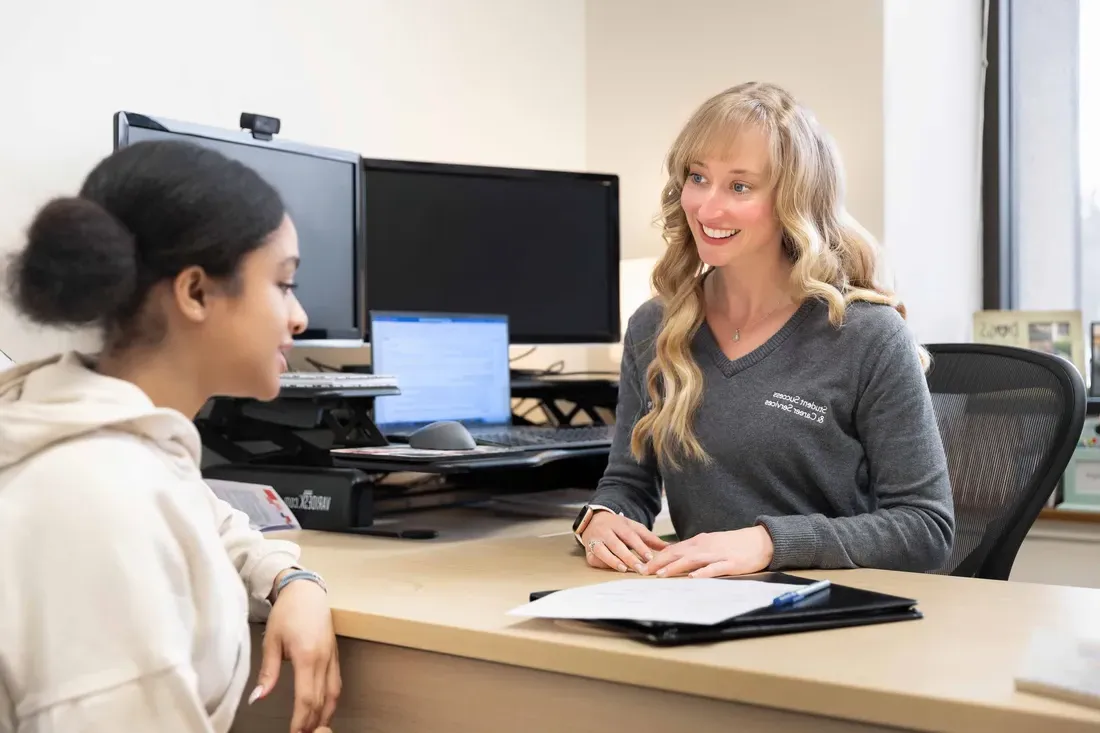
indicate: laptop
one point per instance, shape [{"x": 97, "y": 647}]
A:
[{"x": 454, "y": 367}]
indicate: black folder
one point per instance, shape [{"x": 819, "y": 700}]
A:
[{"x": 836, "y": 607}]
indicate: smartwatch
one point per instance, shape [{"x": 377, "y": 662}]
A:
[{"x": 585, "y": 518}]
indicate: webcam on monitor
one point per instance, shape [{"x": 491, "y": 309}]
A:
[{"x": 262, "y": 127}]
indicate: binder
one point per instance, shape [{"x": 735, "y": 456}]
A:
[{"x": 839, "y": 606}]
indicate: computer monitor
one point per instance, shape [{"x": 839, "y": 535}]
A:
[
  {"x": 450, "y": 367},
  {"x": 541, "y": 247},
  {"x": 322, "y": 190}
]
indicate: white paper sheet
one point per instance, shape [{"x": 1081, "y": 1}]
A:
[
  {"x": 669, "y": 600},
  {"x": 1062, "y": 665},
  {"x": 5, "y": 361},
  {"x": 266, "y": 510}
]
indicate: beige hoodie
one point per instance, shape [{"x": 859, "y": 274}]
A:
[{"x": 122, "y": 606}]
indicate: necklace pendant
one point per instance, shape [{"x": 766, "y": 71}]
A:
[{"x": 737, "y": 335}]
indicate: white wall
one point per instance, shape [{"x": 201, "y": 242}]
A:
[
  {"x": 479, "y": 81},
  {"x": 931, "y": 157}
]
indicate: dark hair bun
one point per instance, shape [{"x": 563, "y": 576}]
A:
[
  {"x": 79, "y": 266},
  {"x": 145, "y": 213}
]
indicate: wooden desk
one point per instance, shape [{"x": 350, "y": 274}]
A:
[{"x": 426, "y": 646}]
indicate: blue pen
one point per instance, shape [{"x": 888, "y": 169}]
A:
[{"x": 794, "y": 596}]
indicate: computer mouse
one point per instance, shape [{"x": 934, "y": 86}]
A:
[{"x": 442, "y": 435}]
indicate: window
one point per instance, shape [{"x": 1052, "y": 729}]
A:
[
  {"x": 1088, "y": 95},
  {"x": 1041, "y": 153}
]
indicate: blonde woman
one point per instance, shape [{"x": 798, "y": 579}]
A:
[{"x": 772, "y": 388}]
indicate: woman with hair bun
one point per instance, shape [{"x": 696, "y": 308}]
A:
[
  {"x": 127, "y": 585},
  {"x": 772, "y": 387}
]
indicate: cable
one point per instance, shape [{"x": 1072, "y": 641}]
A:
[
  {"x": 523, "y": 355},
  {"x": 321, "y": 367}
]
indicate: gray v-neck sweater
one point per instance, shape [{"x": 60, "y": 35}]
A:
[{"x": 824, "y": 435}]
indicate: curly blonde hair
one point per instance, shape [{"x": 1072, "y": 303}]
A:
[{"x": 834, "y": 258}]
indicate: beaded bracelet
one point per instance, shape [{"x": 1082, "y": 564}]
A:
[{"x": 300, "y": 575}]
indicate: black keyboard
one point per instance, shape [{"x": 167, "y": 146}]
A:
[{"x": 589, "y": 436}]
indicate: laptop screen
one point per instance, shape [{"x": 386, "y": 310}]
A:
[{"x": 448, "y": 366}]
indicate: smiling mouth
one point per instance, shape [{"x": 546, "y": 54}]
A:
[{"x": 719, "y": 233}]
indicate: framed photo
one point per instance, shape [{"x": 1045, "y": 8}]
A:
[
  {"x": 1094, "y": 383},
  {"x": 1052, "y": 332}
]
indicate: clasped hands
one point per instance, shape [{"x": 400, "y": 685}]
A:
[{"x": 615, "y": 542}]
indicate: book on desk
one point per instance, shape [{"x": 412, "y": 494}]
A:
[{"x": 837, "y": 606}]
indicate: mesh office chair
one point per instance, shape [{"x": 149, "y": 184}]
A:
[{"x": 1010, "y": 419}]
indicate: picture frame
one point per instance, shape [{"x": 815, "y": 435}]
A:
[
  {"x": 1094, "y": 382},
  {"x": 1058, "y": 332}
]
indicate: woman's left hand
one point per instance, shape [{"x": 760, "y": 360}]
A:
[
  {"x": 714, "y": 554},
  {"x": 299, "y": 628}
]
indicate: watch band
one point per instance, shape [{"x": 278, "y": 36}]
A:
[
  {"x": 300, "y": 575},
  {"x": 585, "y": 518}
]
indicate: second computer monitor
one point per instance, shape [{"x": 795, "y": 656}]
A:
[{"x": 541, "y": 247}]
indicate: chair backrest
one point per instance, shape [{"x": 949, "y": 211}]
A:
[{"x": 1010, "y": 419}]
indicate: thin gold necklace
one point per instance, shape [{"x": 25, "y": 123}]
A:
[{"x": 737, "y": 332}]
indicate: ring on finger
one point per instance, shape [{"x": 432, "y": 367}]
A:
[{"x": 592, "y": 545}]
